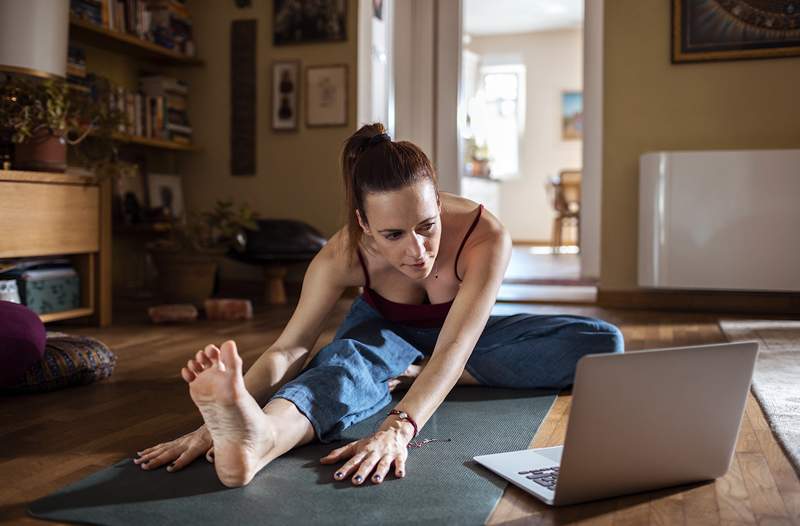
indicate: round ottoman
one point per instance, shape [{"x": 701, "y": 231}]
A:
[{"x": 22, "y": 341}]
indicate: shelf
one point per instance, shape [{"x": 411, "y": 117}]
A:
[
  {"x": 103, "y": 37},
  {"x": 155, "y": 143},
  {"x": 20, "y": 176},
  {"x": 66, "y": 314}
]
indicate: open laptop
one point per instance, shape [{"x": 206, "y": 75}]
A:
[{"x": 640, "y": 421}]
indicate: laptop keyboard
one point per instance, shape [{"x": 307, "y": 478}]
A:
[{"x": 546, "y": 477}]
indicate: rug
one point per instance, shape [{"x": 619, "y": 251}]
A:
[{"x": 776, "y": 380}]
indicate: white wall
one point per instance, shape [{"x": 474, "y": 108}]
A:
[{"x": 554, "y": 63}]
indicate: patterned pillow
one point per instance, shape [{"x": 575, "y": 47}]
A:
[{"x": 68, "y": 360}]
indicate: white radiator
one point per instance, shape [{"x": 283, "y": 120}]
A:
[{"x": 720, "y": 220}]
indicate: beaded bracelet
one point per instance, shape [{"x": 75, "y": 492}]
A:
[{"x": 404, "y": 416}]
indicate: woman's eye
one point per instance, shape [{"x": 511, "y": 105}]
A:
[{"x": 430, "y": 226}]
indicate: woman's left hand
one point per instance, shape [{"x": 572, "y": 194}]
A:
[{"x": 380, "y": 449}]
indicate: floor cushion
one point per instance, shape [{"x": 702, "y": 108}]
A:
[
  {"x": 68, "y": 360},
  {"x": 22, "y": 341}
]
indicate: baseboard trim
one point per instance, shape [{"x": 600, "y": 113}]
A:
[{"x": 701, "y": 301}]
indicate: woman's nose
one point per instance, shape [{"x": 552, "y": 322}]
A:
[{"x": 417, "y": 248}]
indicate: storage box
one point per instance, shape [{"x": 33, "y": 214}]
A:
[{"x": 51, "y": 290}]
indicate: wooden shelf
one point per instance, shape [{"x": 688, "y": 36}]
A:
[
  {"x": 155, "y": 143},
  {"x": 103, "y": 37},
  {"x": 66, "y": 314},
  {"x": 20, "y": 176}
]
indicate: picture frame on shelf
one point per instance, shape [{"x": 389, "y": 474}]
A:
[
  {"x": 285, "y": 95},
  {"x": 130, "y": 199},
  {"x": 165, "y": 191},
  {"x": 308, "y": 21},
  {"x": 733, "y": 30},
  {"x": 571, "y": 115},
  {"x": 326, "y": 95}
]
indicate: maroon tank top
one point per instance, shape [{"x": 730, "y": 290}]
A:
[{"x": 425, "y": 315}]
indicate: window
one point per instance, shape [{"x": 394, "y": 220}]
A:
[{"x": 497, "y": 117}]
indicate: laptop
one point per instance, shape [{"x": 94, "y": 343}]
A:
[{"x": 640, "y": 421}]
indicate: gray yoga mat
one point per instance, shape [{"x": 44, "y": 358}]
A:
[{"x": 442, "y": 483}]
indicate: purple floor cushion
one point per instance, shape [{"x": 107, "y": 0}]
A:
[
  {"x": 68, "y": 360},
  {"x": 22, "y": 338}
]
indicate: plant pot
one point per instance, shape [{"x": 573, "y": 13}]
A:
[
  {"x": 43, "y": 152},
  {"x": 185, "y": 277}
]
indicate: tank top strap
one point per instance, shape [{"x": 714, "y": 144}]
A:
[
  {"x": 363, "y": 265},
  {"x": 463, "y": 241}
]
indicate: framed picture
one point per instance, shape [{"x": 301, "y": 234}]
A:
[
  {"x": 326, "y": 95},
  {"x": 308, "y": 21},
  {"x": 166, "y": 191},
  {"x": 130, "y": 202},
  {"x": 705, "y": 30},
  {"x": 285, "y": 98},
  {"x": 571, "y": 115}
]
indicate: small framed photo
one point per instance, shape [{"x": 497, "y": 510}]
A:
[
  {"x": 571, "y": 115},
  {"x": 166, "y": 191},
  {"x": 326, "y": 95},
  {"x": 285, "y": 94},
  {"x": 308, "y": 21},
  {"x": 129, "y": 196}
]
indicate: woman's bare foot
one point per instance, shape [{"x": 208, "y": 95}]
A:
[{"x": 242, "y": 435}]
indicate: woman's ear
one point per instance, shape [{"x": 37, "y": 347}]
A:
[{"x": 361, "y": 224}]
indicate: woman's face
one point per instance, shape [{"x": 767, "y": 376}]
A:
[{"x": 406, "y": 227}]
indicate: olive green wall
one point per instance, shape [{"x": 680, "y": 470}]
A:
[
  {"x": 297, "y": 172},
  {"x": 651, "y": 104}
]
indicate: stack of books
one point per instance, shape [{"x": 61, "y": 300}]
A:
[
  {"x": 166, "y": 98},
  {"x": 167, "y": 23},
  {"x": 76, "y": 68}
]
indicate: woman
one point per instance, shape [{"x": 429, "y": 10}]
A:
[{"x": 431, "y": 264}]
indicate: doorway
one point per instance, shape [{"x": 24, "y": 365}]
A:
[{"x": 522, "y": 133}]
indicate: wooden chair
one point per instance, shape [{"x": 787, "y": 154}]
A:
[{"x": 566, "y": 189}]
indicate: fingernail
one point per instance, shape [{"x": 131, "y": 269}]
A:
[
  {"x": 358, "y": 478},
  {"x": 400, "y": 473},
  {"x": 377, "y": 477},
  {"x": 338, "y": 475}
]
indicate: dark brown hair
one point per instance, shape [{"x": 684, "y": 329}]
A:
[{"x": 372, "y": 163}]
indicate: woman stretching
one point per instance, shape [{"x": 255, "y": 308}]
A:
[{"x": 431, "y": 264}]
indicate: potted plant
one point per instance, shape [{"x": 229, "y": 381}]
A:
[
  {"x": 188, "y": 257},
  {"x": 42, "y": 116}
]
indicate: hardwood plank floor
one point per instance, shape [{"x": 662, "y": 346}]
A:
[{"x": 52, "y": 439}]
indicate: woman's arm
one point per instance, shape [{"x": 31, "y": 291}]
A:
[
  {"x": 323, "y": 285},
  {"x": 485, "y": 266}
]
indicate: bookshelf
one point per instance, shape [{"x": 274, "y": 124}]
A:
[
  {"x": 115, "y": 48},
  {"x": 126, "y": 44}
]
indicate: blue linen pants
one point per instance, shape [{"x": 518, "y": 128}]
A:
[{"x": 347, "y": 381}]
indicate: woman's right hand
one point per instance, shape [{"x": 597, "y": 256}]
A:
[{"x": 180, "y": 452}]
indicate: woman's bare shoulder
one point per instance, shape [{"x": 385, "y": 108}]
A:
[
  {"x": 489, "y": 225},
  {"x": 336, "y": 254}
]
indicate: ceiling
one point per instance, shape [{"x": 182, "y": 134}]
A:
[{"x": 494, "y": 17}]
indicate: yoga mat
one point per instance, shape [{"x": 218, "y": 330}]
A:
[{"x": 442, "y": 483}]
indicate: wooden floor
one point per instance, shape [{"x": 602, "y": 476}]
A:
[{"x": 50, "y": 440}]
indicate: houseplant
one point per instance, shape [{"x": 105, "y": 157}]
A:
[
  {"x": 43, "y": 116},
  {"x": 188, "y": 256}
]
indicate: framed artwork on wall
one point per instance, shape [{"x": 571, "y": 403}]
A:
[
  {"x": 326, "y": 95},
  {"x": 704, "y": 30},
  {"x": 285, "y": 95},
  {"x": 571, "y": 115},
  {"x": 166, "y": 191},
  {"x": 308, "y": 21}
]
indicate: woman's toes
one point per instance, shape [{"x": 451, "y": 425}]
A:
[
  {"x": 230, "y": 357},
  {"x": 194, "y": 367},
  {"x": 202, "y": 360},
  {"x": 212, "y": 353},
  {"x": 187, "y": 375}
]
